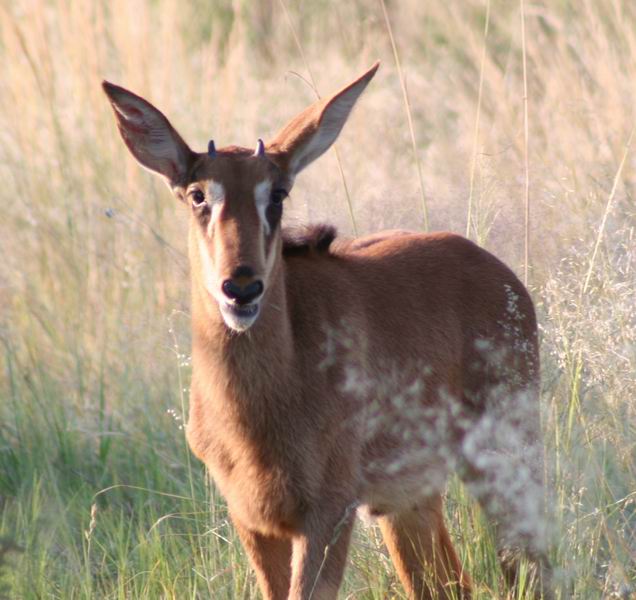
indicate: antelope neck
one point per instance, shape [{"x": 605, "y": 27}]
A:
[{"x": 257, "y": 359}]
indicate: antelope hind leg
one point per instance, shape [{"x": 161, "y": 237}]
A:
[
  {"x": 423, "y": 555},
  {"x": 513, "y": 500}
]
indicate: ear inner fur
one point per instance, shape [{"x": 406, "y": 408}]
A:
[
  {"x": 150, "y": 137},
  {"x": 311, "y": 133}
]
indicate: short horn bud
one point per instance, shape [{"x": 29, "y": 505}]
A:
[
  {"x": 260, "y": 148},
  {"x": 211, "y": 149}
]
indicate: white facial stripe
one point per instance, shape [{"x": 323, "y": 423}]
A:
[
  {"x": 216, "y": 191},
  {"x": 262, "y": 193},
  {"x": 216, "y": 195},
  {"x": 271, "y": 259}
]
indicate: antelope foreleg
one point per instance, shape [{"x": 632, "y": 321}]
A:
[
  {"x": 271, "y": 559},
  {"x": 319, "y": 555}
]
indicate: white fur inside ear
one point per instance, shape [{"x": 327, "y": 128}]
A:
[
  {"x": 262, "y": 191},
  {"x": 162, "y": 147},
  {"x": 131, "y": 111},
  {"x": 331, "y": 123},
  {"x": 336, "y": 115},
  {"x": 150, "y": 137},
  {"x": 142, "y": 115}
]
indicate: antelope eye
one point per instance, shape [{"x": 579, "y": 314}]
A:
[
  {"x": 278, "y": 195},
  {"x": 198, "y": 198}
]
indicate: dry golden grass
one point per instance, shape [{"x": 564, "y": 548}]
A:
[{"x": 93, "y": 285}]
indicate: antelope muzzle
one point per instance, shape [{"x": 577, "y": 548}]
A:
[{"x": 241, "y": 292}]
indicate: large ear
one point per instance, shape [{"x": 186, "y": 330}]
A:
[
  {"x": 311, "y": 133},
  {"x": 150, "y": 137}
]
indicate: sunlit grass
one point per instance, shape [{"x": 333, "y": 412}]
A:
[{"x": 94, "y": 326}]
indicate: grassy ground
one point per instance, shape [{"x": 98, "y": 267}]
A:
[{"x": 99, "y": 497}]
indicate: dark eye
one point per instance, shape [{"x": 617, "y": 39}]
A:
[
  {"x": 198, "y": 198},
  {"x": 278, "y": 195}
]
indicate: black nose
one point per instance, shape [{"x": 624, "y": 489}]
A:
[{"x": 242, "y": 294}]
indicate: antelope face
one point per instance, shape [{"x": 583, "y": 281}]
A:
[
  {"x": 236, "y": 203},
  {"x": 235, "y": 194}
]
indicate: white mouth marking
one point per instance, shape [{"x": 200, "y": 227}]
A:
[
  {"x": 262, "y": 193},
  {"x": 239, "y": 318}
]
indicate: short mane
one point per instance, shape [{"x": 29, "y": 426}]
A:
[{"x": 300, "y": 241}]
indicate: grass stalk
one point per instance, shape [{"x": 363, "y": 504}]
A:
[
  {"x": 473, "y": 162},
  {"x": 341, "y": 172},
  {"x": 526, "y": 141},
  {"x": 88, "y": 368},
  {"x": 409, "y": 116},
  {"x": 606, "y": 212}
]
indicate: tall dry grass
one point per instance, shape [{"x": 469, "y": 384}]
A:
[{"x": 93, "y": 276}]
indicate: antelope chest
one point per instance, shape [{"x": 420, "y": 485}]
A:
[
  {"x": 264, "y": 490},
  {"x": 269, "y": 497},
  {"x": 264, "y": 499}
]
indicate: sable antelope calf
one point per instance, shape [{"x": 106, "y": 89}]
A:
[{"x": 332, "y": 375}]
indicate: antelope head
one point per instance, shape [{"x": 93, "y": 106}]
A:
[{"x": 235, "y": 194}]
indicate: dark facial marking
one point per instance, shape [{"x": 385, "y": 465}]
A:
[{"x": 273, "y": 214}]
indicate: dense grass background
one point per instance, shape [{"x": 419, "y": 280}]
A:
[{"x": 99, "y": 497}]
